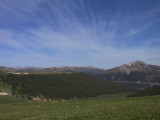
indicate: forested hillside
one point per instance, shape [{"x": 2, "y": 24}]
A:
[
  {"x": 135, "y": 79},
  {"x": 154, "y": 90},
  {"x": 50, "y": 86},
  {"x": 135, "y": 75}
]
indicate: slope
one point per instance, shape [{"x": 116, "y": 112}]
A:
[
  {"x": 50, "y": 86},
  {"x": 135, "y": 75}
]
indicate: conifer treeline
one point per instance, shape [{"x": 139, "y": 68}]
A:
[
  {"x": 64, "y": 85},
  {"x": 154, "y": 90}
]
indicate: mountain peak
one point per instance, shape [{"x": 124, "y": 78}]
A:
[
  {"x": 137, "y": 62},
  {"x": 135, "y": 66}
]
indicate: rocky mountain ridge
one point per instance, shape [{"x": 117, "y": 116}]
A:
[
  {"x": 136, "y": 66},
  {"x": 81, "y": 69},
  {"x": 126, "y": 68},
  {"x": 136, "y": 74}
]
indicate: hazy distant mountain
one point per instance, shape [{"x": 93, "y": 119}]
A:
[
  {"x": 81, "y": 69},
  {"x": 136, "y": 74},
  {"x": 136, "y": 66},
  {"x": 7, "y": 69}
]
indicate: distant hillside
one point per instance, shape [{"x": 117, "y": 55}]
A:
[
  {"x": 154, "y": 90},
  {"x": 7, "y": 69},
  {"x": 63, "y": 85},
  {"x": 136, "y": 74},
  {"x": 136, "y": 66},
  {"x": 80, "y": 69}
]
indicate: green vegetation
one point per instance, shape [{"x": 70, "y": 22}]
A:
[
  {"x": 69, "y": 87},
  {"x": 155, "y": 90},
  {"x": 4, "y": 87},
  {"x": 136, "y": 79},
  {"x": 141, "y": 108},
  {"x": 10, "y": 99},
  {"x": 62, "y": 86}
]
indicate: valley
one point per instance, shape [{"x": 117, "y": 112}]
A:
[
  {"x": 79, "y": 93},
  {"x": 79, "y": 59}
]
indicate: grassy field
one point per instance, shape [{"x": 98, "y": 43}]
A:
[{"x": 100, "y": 108}]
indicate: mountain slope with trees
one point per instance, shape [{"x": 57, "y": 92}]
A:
[
  {"x": 154, "y": 90},
  {"x": 64, "y": 85},
  {"x": 136, "y": 74}
]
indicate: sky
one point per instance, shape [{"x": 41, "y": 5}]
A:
[{"x": 98, "y": 33}]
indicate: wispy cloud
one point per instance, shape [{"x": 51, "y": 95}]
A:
[
  {"x": 141, "y": 29},
  {"x": 57, "y": 33}
]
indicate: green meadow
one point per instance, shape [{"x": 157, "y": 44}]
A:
[{"x": 105, "y": 107}]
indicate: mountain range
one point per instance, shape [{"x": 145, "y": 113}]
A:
[{"x": 136, "y": 74}]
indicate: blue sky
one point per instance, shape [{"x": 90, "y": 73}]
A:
[{"x": 99, "y": 33}]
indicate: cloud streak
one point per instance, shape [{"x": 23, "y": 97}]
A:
[
  {"x": 142, "y": 29},
  {"x": 58, "y": 33}
]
